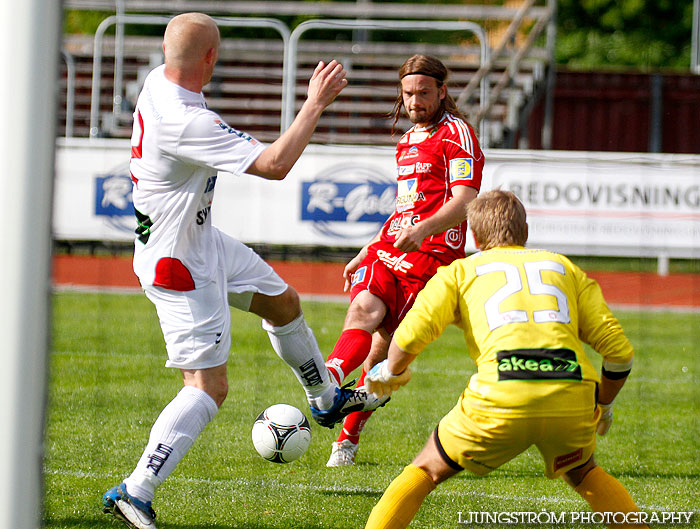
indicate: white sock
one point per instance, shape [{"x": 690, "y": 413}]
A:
[
  {"x": 326, "y": 399},
  {"x": 172, "y": 435},
  {"x": 296, "y": 345}
]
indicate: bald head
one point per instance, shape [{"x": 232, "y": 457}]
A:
[{"x": 189, "y": 38}]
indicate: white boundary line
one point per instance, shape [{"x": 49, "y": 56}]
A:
[{"x": 96, "y": 289}]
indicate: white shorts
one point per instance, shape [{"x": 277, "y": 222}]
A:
[{"x": 196, "y": 324}]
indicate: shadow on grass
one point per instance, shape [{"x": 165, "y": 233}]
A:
[{"x": 366, "y": 464}]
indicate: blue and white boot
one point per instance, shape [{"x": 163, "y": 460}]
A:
[
  {"x": 136, "y": 514},
  {"x": 345, "y": 402}
]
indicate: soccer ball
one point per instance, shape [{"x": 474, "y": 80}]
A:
[{"x": 281, "y": 433}]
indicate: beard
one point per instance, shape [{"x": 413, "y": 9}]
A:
[{"x": 424, "y": 116}]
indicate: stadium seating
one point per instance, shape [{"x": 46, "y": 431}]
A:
[{"x": 247, "y": 88}]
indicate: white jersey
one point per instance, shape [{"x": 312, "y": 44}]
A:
[{"x": 177, "y": 148}]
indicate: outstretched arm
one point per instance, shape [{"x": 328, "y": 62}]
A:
[
  {"x": 398, "y": 360},
  {"x": 278, "y": 159},
  {"x": 389, "y": 375},
  {"x": 379, "y": 349},
  {"x": 433, "y": 310}
]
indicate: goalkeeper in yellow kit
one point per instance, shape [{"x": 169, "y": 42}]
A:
[{"x": 524, "y": 313}]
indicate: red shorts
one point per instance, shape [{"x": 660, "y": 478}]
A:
[{"x": 395, "y": 277}]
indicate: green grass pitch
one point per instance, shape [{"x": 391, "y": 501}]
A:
[{"x": 108, "y": 383}]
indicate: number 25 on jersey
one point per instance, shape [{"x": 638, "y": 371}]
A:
[{"x": 514, "y": 285}]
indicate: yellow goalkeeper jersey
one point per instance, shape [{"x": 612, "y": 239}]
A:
[{"x": 524, "y": 313}]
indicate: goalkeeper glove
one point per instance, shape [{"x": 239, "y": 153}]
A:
[
  {"x": 606, "y": 418},
  {"x": 383, "y": 382}
]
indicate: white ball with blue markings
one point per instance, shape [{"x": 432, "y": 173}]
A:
[{"x": 281, "y": 433}]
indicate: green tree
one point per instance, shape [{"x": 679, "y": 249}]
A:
[
  {"x": 592, "y": 34},
  {"x": 641, "y": 34}
]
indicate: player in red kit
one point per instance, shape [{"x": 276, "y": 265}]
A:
[{"x": 439, "y": 165}]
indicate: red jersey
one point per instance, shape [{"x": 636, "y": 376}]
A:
[{"x": 430, "y": 162}]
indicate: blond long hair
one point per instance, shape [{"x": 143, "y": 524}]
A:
[{"x": 432, "y": 67}]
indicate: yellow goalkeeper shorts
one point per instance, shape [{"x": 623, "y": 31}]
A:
[{"x": 481, "y": 443}]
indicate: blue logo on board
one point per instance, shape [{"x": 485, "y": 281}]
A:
[
  {"x": 348, "y": 201},
  {"x": 113, "y": 199}
]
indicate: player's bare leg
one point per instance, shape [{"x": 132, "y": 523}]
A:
[
  {"x": 212, "y": 381},
  {"x": 603, "y": 492},
  {"x": 404, "y": 496},
  {"x": 276, "y": 310}
]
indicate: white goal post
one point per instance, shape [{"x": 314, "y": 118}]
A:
[{"x": 29, "y": 54}]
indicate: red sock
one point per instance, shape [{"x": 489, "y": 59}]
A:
[
  {"x": 349, "y": 352},
  {"x": 353, "y": 425}
]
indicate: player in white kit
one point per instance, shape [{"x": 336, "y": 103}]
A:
[{"x": 190, "y": 270}]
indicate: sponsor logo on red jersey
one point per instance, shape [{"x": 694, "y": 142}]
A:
[
  {"x": 405, "y": 220},
  {"x": 395, "y": 262},
  {"x": 461, "y": 169},
  {"x": 407, "y": 194},
  {"x": 417, "y": 137},
  {"x": 410, "y": 153}
]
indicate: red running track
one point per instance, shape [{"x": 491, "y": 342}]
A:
[{"x": 326, "y": 279}]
